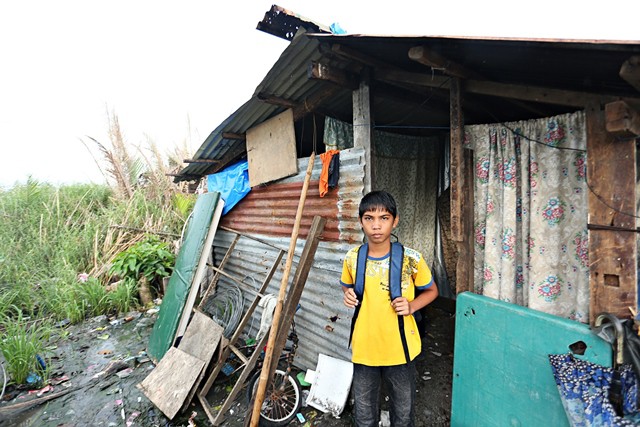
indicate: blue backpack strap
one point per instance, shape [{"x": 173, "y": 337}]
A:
[
  {"x": 358, "y": 288},
  {"x": 396, "y": 258},
  {"x": 361, "y": 268}
]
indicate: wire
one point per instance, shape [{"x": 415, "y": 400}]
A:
[{"x": 226, "y": 308}]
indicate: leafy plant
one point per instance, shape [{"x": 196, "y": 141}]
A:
[
  {"x": 150, "y": 258},
  {"x": 21, "y": 343}
]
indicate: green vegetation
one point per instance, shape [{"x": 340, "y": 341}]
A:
[
  {"x": 76, "y": 251},
  {"x": 21, "y": 344},
  {"x": 150, "y": 258}
]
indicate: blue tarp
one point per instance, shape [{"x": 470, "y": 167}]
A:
[{"x": 232, "y": 183}]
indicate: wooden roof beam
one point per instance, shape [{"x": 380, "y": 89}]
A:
[
  {"x": 319, "y": 71},
  {"x": 433, "y": 59},
  {"x": 309, "y": 105},
  {"x": 507, "y": 90},
  {"x": 621, "y": 119},
  {"x": 200, "y": 161},
  {"x": 234, "y": 136},
  {"x": 630, "y": 72}
]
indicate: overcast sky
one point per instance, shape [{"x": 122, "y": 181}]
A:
[{"x": 172, "y": 71}]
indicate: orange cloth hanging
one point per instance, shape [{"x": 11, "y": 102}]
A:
[{"x": 324, "y": 175}]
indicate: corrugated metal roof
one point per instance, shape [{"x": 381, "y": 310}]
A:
[{"x": 409, "y": 107}]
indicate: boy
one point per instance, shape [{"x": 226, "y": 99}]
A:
[{"x": 385, "y": 338}]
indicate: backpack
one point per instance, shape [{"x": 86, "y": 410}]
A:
[{"x": 396, "y": 258}]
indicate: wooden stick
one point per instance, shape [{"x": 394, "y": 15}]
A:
[{"x": 273, "y": 332}]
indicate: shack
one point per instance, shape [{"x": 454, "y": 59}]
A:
[{"x": 513, "y": 162}]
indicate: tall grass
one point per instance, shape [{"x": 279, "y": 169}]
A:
[
  {"x": 21, "y": 342},
  {"x": 57, "y": 243}
]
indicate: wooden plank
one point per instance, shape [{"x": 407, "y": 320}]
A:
[
  {"x": 271, "y": 149},
  {"x": 630, "y": 71},
  {"x": 201, "y": 340},
  {"x": 202, "y": 337},
  {"x": 168, "y": 385},
  {"x": 200, "y": 270},
  {"x": 621, "y": 119},
  {"x": 362, "y": 130},
  {"x": 611, "y": 173}
]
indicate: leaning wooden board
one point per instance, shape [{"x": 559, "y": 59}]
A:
[{"x": 179, "y": 285}]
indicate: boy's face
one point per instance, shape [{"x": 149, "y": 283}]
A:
[{"x": 378, "y": 225}]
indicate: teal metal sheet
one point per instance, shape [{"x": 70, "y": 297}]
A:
[
  {"x": 501, "y": 373},
  {"x": 179, "y": 285}
]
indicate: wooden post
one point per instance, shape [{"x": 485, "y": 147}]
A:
[
  {"x": 273, "y": 332},
  {"x": 611, "y": 174},
  {"x": 362, "y": 130},
  {"x": 461, "y": 191},
  {"x": 297, "y": 286}
]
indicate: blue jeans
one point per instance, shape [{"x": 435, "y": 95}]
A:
[{"x": 401, "y": 383}]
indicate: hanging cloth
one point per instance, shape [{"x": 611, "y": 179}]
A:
[{"x": 327, "y": 170}]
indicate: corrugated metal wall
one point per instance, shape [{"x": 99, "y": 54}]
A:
[{"x": 322, "y": 322}]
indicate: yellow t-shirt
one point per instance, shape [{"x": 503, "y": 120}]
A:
[{"x": 376, "y": 339}]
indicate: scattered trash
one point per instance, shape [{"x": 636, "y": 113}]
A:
[
  {"x": 124, "y": 373},
  {"x": 103, "y": 337},
  {"x": 41, "y": 362},
  {"x": 191, "y": 422},
  {"x": 301, "y": 418},
  {"x": 386, "y": 398},
  {"x": 58, "y": 380},
  {"x": 301, "y": 379},
  {"x": 385, "y": 420},
  {"x": 305, "y": 396},
  {"x": 62, "y": 323},
  {"x": 114, "y": 391},
  {"x": 436, "y": 353},
  {"x": 132, "y": 417},
  {"x": 33, "y": 378},
  {"x": 105, "y": 352},
  {"x": 329, "y": 328},
  {"x": 334, "y": 319},
  {"x": 426, "y": 378},
  {"x": 44, "y": 390}
]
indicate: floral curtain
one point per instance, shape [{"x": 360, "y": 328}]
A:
[{"x": 530, "y": 218}]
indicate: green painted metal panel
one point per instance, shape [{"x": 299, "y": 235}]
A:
[
  {"x": 179, "y": 285},
  {"x": 501, "y": 373}
]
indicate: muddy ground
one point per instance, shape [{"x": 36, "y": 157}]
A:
[{"x": 96, "y": 365}]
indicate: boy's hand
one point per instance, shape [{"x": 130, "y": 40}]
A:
[
  {"x": 401, "y": 306},
  {"x": 350, "y": 299}
]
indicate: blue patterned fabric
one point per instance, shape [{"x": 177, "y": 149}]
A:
[{"x": 584, "y": 389}]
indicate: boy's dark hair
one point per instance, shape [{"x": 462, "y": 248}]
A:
[{"x": 378, "y": 200}]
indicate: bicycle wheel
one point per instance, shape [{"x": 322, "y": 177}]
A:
[{"x": 282, "y": 399}]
